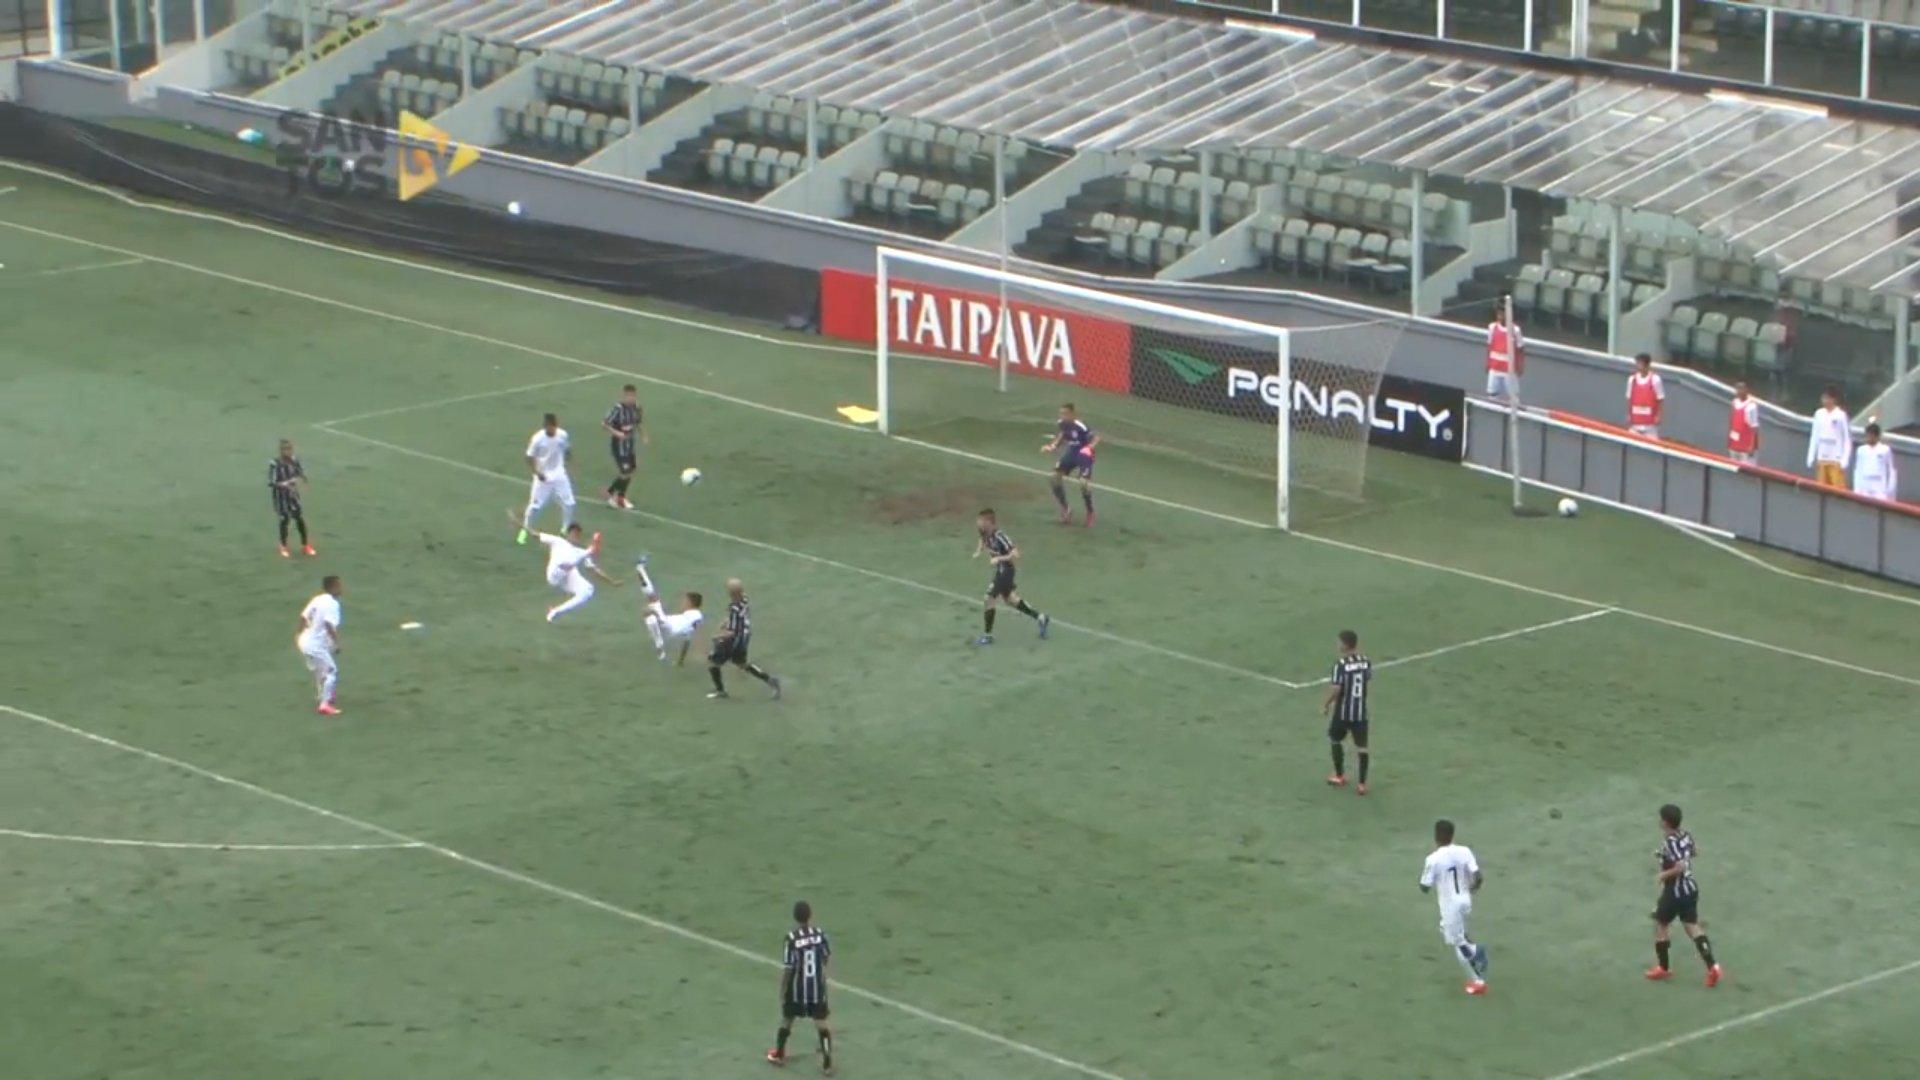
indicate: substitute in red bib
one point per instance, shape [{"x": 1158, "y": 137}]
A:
[
  {"x": 1506, "y": 353},
  {"x": 1743, "y": 427},
  {"x": 1646, "y": 395}
]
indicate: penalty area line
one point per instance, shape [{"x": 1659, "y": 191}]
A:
[
  {"x": 560, "y": 891},
  {"x": 482, "y": 396},
  {"x": 821, "y": 560},
  {"x": 1742, "y": 1020}
]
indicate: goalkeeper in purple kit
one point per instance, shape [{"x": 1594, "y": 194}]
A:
[{"x": 1075, "y": 442}]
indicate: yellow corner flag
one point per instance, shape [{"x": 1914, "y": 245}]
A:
[{"x": 858, "y": 415}]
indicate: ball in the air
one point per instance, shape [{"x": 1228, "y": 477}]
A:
[
  {"x": 514, "y": 208},
  {"x": 689, "y": 477},
  {"x": 1569, "y": 508}
]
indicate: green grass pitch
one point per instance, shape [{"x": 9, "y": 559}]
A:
[{"x": 533, "y": 852}]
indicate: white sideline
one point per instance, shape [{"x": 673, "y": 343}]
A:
[
  {"x": 1739, "y": 1021},
  {"x": 1794, "y": 574},
  {"x": 560, "y": 891},
  {"x": 821, "y": 560},
  {"x": 809, "y": 418},
  {"x": 1491, "y": 638},
  {"x": 57, "y": 271},
  {"x": 181, "y": 845},
  {"x": 439, "y": 402}
]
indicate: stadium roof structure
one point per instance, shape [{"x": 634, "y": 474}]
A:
[{"x": 1827, "y": 198}]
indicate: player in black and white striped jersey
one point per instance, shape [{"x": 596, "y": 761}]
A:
[
  {"x": 1679, "y": 899},
  {"x": 1346, "y": 709},
  {"x": 623, "y": 424},
  {"x": 285, "y": 475},
  {"x": 803, "y": 985},
  {"x": 730, "y": 644},
  {"x": 1002, "y": 553}
]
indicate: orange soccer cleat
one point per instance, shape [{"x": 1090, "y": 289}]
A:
[
  {"x": 1713, "y": 976},
  {"x": 776, "y": 1057},
  {"x": 1477, "y": 988},
  {"x": 1659, "y": 974},
  {"x": 1336, "y": 780},
  {"x": 308, "y": 548},
  {"x": 327, "y": 708},
  {"x": 284, "y": 553}
]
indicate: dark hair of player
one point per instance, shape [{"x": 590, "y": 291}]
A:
[
  {"x": 1068, "y": 405},
  {"x": 1670, "y": 816},
  {"x": 1350, "y": 639},
  {"x": 802, "y": 912},
  {"x": 695, "y": 599},
  {"x": 550, "y": 418},
  {"x": 573, "y": 529},
  {"x": 1831, "y": 390},
  {"x": 1644, "y": 360},
  {"x": 629, "y": 389},
  {"x": 1873, "y": 430},
  {"x": 988, "y": 514},
  {"x": 330, "y": 582},
  {"x": 1443, "y": 831}
]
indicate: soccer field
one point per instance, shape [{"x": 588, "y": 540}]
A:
[{"x": 531, "y": 851}]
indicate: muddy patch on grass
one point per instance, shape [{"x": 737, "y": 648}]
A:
[{"x": 951, "y": 503}]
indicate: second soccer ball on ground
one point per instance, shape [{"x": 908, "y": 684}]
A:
[{"x": 1569, "y": 508}]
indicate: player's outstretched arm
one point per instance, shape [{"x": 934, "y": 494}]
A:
[{"x": 602, "y": 574}]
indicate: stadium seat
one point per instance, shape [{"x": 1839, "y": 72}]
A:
[
  {"x": 1146, "y": 241},
  {"x": 1642, "y": 295},
  {"x": 594, "y": 138},
  {"x": 1173, "y": 244},
  {"x": 1262, "y": 234},
  {"x": 1318, "y": 247},
  {"x": 1526, "y": 287},
  {"x": 1395, "y": 272},
  {"x": 1120, "y": 239},
  {"x": 948, "y": 207},
  {"x": 1160, "y": 189},
  {"x": 1134, "y": 189},
  {"x": 1680, "y": 326},
  {"x": 1300, "y": 189},
  {"x": 1739, "y": 340},
  {"x": 1554, "y": 293},
  {"x": 880, "y": 193},
  {"x": 1290, "y": 244},
  {"x": 790, "y": 165},
  {"x": 1346, "y": 244},
  {"x": 1376, "y": 207},
  {"x": 1584, "y": 299},
  {"x": 1235, "y": 203},
  {"x": 1400, "y": 214},
  {"x": 763, "y": 166},
  {"x": 979, "y": 201},
  {"x": 1768, "y": 350},
  {"x": 1321, "y": 199},
  {"x": 1706, "y": 336},
  {"x": 907, "y": 196},
  {"x": 1346, "y": 204}
]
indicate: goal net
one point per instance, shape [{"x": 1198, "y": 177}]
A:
[{"x": 1186, "y": 403}]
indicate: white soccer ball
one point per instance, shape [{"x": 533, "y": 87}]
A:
[
  {"x": 514, "y": 208},
  {"x": 689, "y": 477},
  {"x": 1569, "y": 508}
]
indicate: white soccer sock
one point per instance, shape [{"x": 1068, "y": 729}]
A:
[
  {"x": 574, "y": 601},
  {"x": 1464, "y": 953},
  {"x": 653, "y": 628},
  {"x": 327, "y": 683},
  {"x": 566, "y": 516},
  {"x": 646, "y": 582}
]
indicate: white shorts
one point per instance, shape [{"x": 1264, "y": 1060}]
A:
[
  {"x": 1502, "y": 385},
  {"x": 573, "y": 583},
  {"x": 1740, "y": 456},
  {"x": 1453, "y": 920},
  {"x": 671, "y": 626},
  {"x": 1651, "y": 431},
  {"x": 556, "y": 487},
  {"x": 319, "y": 661}
]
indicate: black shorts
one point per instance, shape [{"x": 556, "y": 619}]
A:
[
  {"x": 1671, "y": 907},
  {"x": 816, "y": 1011},
  {"x": 728, "y": 651},
  {"x": 623, "y": 455},
  {"x": 1340, "y": 729},
  {"x": 1001, "y": 587}
]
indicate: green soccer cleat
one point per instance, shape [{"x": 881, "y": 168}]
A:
[{"x": 522, "y": 538}]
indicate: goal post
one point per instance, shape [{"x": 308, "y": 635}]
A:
[{"x": 1187, "y": 402}]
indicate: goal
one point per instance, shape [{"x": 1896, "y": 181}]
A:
[{"x": 1187, "y": 403}]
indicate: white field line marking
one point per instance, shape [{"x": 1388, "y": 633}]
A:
[
  {"x": 7, "y": 190},
  {"x": 178, "y": 845},
  {"x": 821, "y": 560},
  {"x": 1739, "y": 1021},
  {"x": 410, "y": 264},
  {"x": 1796, "y": 575},
  {"x": 56, "y": 272},
  {"x": 1491, "y": 638},
  {"x": 1343, "y": 545},
  {"x": 398, "y": 409},
  {"x": 560, "y": 891}
]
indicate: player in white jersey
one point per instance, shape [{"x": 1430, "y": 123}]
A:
[
  {"x": 1874, "y": 474},
  {"x": 566, "y": 558},
  {"x": 547, "y": 455},
  {"x": 679, "y": 626},
  {"x": 319, "y": 641},
  {"x": 1454, "y": 873}
]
